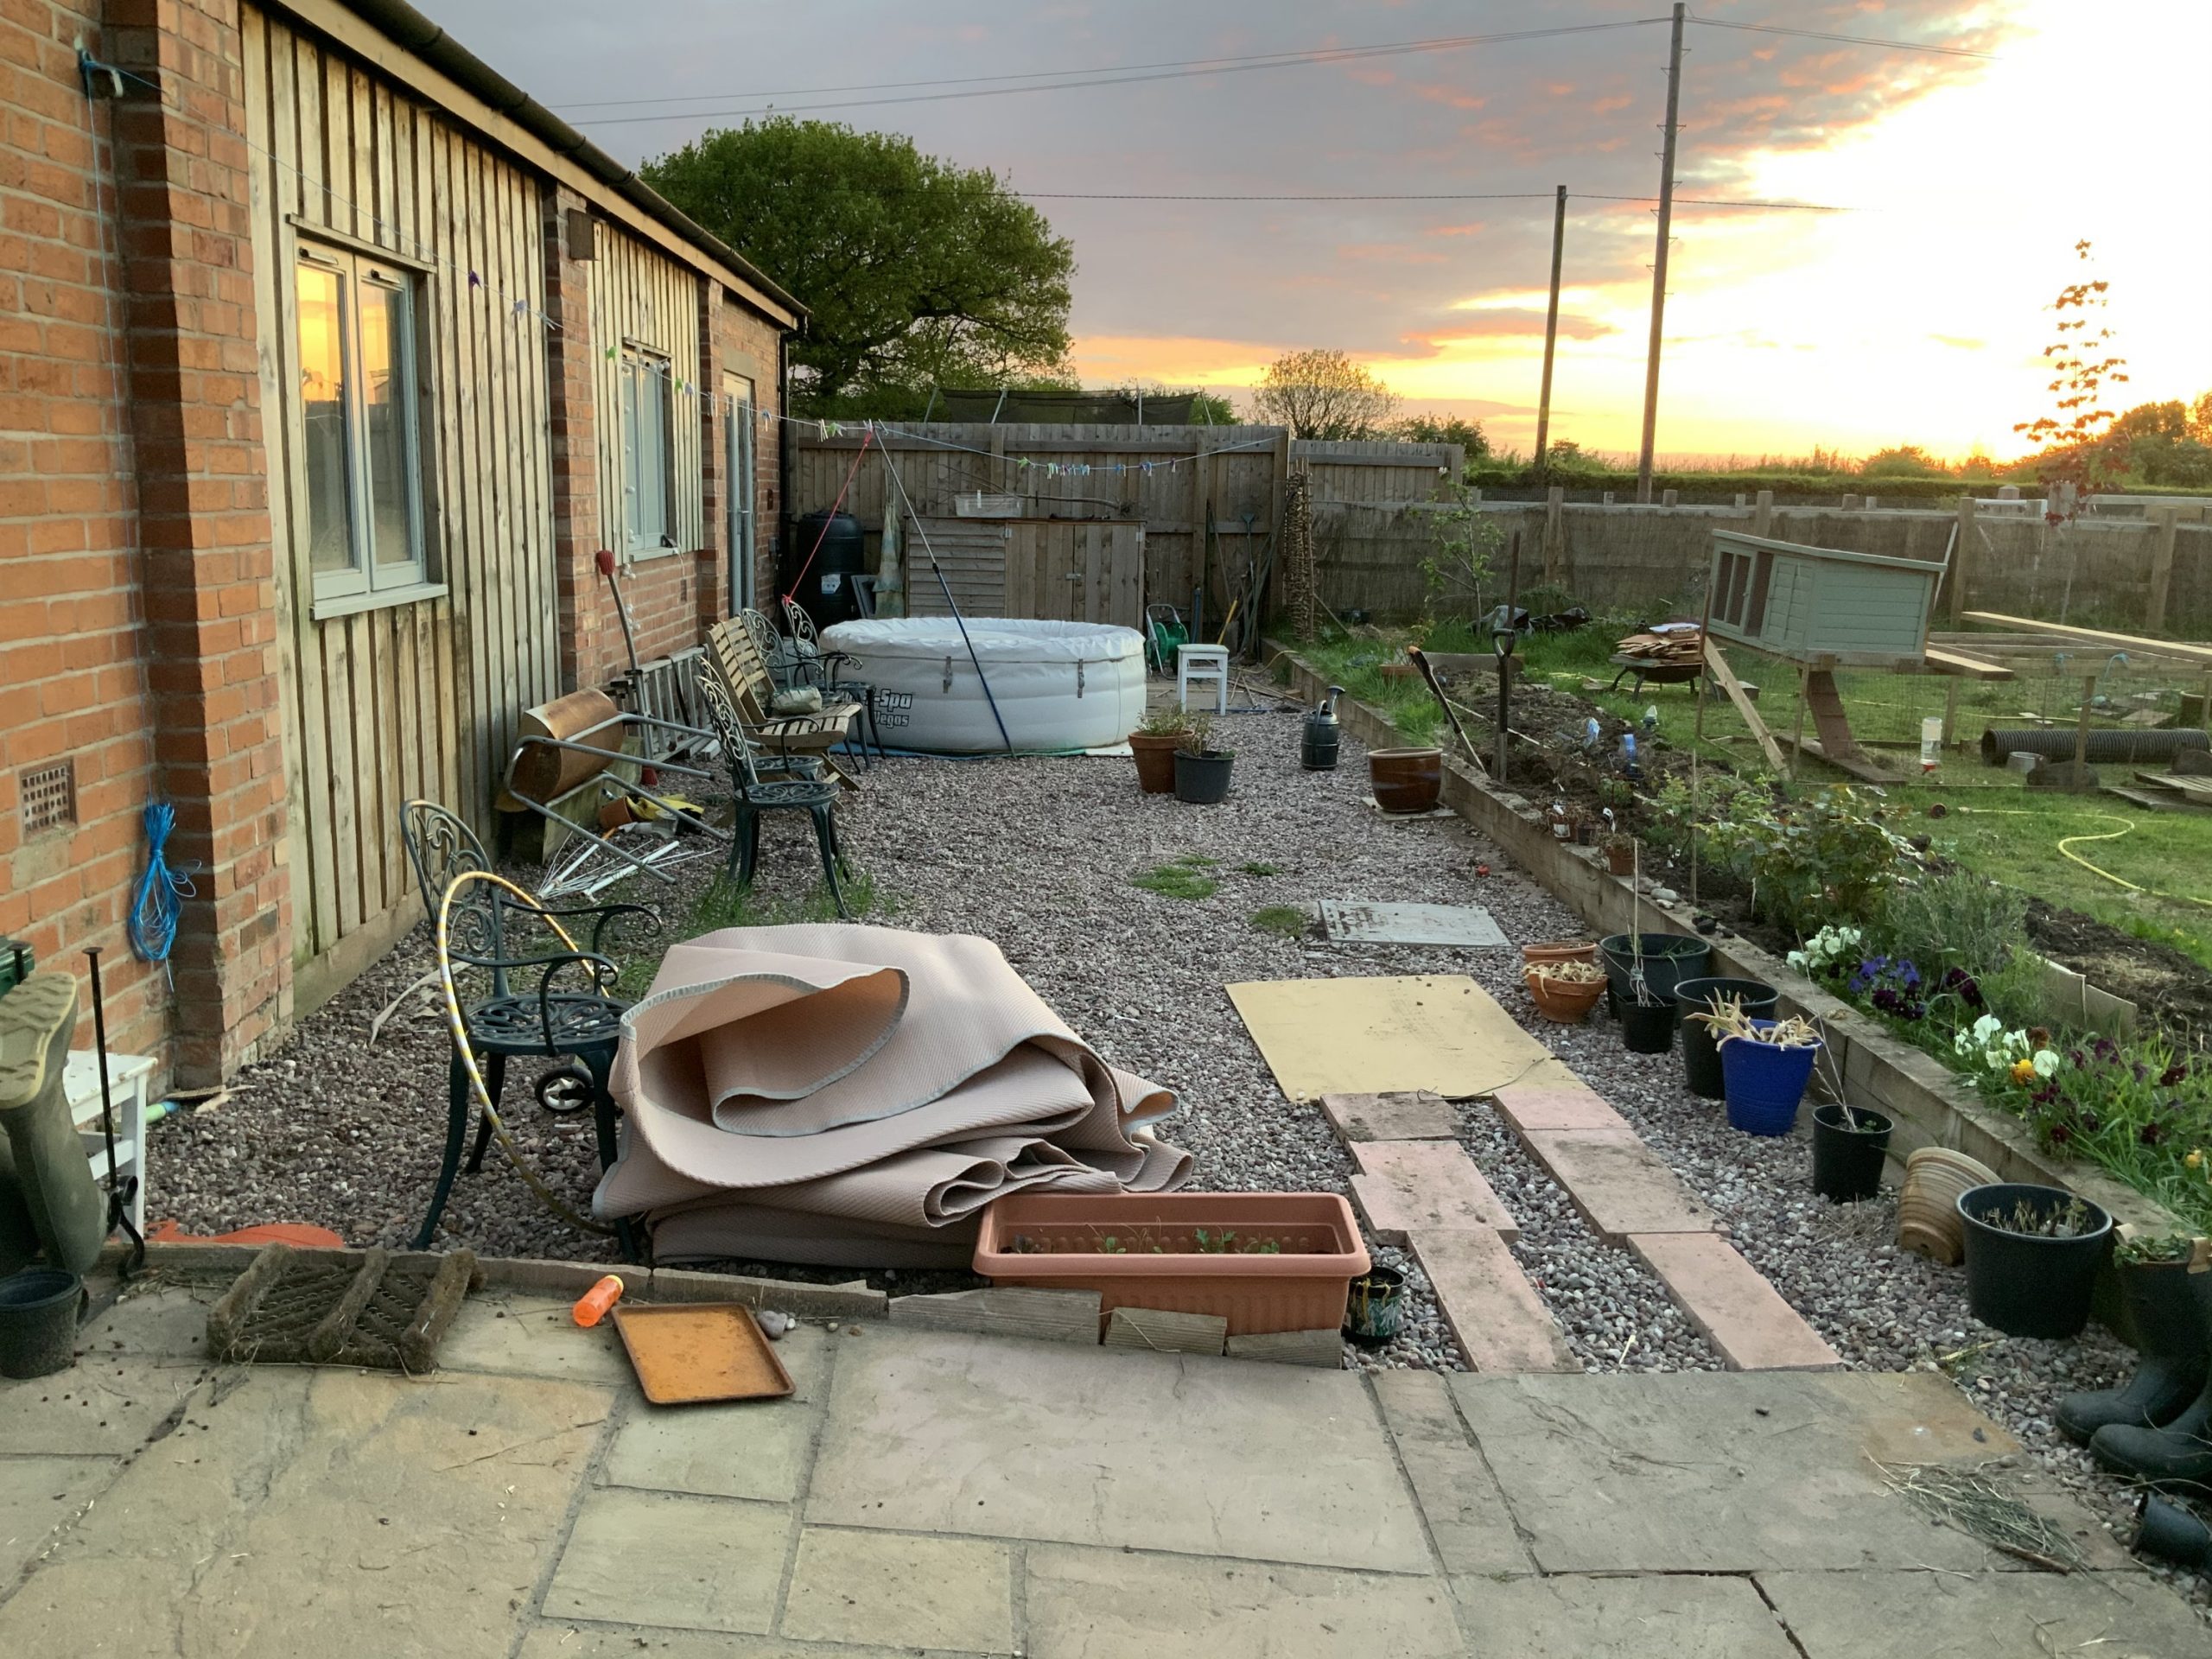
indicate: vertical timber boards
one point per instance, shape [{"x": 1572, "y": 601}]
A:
[
  {"x": 384, "y": 704},
  {"x": 640, "y": 298}
]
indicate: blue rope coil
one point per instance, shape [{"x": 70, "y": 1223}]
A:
[{"x": 161, "y": 893}]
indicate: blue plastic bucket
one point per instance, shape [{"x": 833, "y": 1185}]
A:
[{"x": 1764, "y": 1082}]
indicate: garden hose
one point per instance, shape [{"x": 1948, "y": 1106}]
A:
[
  {"x": 455, "y": 1024},
  {"x": 2065, "y": 845}
]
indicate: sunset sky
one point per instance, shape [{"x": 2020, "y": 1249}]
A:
[{"x": 1919, "y": 316}]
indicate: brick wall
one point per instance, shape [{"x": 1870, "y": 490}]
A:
[{"x": 70, "y": 599}]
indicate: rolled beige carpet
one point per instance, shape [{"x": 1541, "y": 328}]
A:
[{"x": 856, "y": 1095}]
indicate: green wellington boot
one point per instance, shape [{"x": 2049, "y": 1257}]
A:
[
  {"x": 2180, "y": 1453},
  {"x": 67, "y": 1208},
  {"x": 2176, "y": 1348},
  {"x": 18, "y": 1238}
]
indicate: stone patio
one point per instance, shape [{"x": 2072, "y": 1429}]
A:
[{"x": 972, "y": 1495}]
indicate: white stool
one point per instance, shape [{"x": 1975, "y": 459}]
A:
[{"x": 1202, "y": 665}]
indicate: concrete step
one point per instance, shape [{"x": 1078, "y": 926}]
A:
[
  {"x": 1741, "y": 1314},
  {"x": 1528, "y": 1106},
  {"x": 1501, "y": 1324},
  {"x": 1620, "y": 1185},
  {"x": 1404, "y": 1186},
  {"x": 1411, "y": 1115}
]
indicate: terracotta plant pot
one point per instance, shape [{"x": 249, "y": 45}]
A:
[
  {"x": 1054, "y": 1241},
  {"x": 1928, "y": 1204},
  {"x": 1407, "y": 780},
  {"x": 1155, "y": 762},
  {"x": 1544, "y": 950},
  {"x": 1621, "y": 861},
  {"x": 1566, "y": 1001}
]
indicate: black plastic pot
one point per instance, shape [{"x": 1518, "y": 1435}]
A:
[
  {"x": 1203, "y": 780},
  {"x": 2172, "y": 1534},
  {"x": 1700, "y": 1054},
  {"x": 1669, "y": 959},
  {"x": 1847, "y": 1161},
  {"x": 1376, "y": 1308},
  {"x": 1647, "y": 1027},
  {"x": 2022, "y": 1284},
  {"x": 38, "y": 1321}
]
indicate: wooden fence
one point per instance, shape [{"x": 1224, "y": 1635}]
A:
[{"x": 1207, "y": 497}]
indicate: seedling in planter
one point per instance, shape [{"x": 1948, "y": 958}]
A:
[
  {"x": 2031, "y": 1220},
  {"x": 2158, "y": 1249},
  {"x": 1164, "y": 722}
]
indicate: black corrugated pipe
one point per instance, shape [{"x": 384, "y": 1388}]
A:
[{"x": 2115, "y": 747}]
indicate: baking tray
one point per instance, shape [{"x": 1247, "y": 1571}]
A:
[{"x": 688, "y": 1353}]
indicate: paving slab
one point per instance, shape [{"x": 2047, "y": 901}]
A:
[
  {"x": 1006, "y": 1311},
  {"x": 532, "y": 1336},
  {"x": 1985, "y": 1616},
  {"x": 168, "y": 1320},
  {"x": 1745, "y": 1318},
  {"x": 1679, "y": 1616},
  {"x": 1414, "y": 1115},
  {"x": 1088, "y": 1604},
  {"x": 1402, "y": 1185},
  {"x": 1528, "y": 1106},
  {"x": 1751, "y": 1472},
  {"x": 304, "y": 1508},
  {"x": 894, "y": 1588},
  {"x": 661, "y": 1558},
  {"x": 1620, "y": 1185},
  {"x": 977, "y": 1436},
  {"x": 755, "y": 1448},
  {"x": 1466, "y": 927},
  {"x": 1160, "y": 1331},
  {"x": 104, "y": 1406},
  {"x": 563, "y": 1639},
  {"x": 39, "y": 1494},
  {"x": 1322, "y": 1349},
  {"x": 1458, "y": 1496},
  {"x": 1499, "y": 1321}
]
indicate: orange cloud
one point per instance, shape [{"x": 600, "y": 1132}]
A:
[
  {"x": 1505, "y": 323},
  {"x": 1476, "y": 228},
  {"x": 1394, "y": 253}
]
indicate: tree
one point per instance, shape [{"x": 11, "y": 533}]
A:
[
  {"x": 2079, "y": 452},
  {"x": 1323, "y": 395},
  {"x": 1902, "y": 461},
  {"x": 2166, "y": 444},
  {"x": 917, "y": 272},
  {"x": 1446, "y": 429}
]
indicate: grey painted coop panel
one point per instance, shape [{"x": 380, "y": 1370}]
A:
[{"x": 1809, "y": 603}]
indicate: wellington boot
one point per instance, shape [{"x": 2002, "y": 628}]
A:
[
  {"x": 2179, "y": 1455},
  {"x": 67, "y": 1209},
  {"x": 18, "y": 1238},
  {"x": 2176, "y": 1347}
]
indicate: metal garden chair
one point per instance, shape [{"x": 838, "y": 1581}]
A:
[
  {"x": 736, "y": 661},
  {"x": 752, "y": 795},
  {"x": 570, "y": 1010},
  {"x": 826, "y": 670}
]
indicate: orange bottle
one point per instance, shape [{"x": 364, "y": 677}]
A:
[{"x": 591, "y": 1307}]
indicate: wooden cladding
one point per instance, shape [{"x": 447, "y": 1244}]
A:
[{"x": 422, "y": 697}]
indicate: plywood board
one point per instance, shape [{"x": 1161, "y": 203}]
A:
[
  {"x": 1468, "y": 926},
  {"x": 1439, "y": 1032}
]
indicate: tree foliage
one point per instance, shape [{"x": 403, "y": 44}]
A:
[
  {"x": 1323, "y": 395},
  {"x": 1902, "y": 461},
  {"x": 1446, "y": 429},
  {"x": 917, "y": 272},
  {"x": 2080, "y": 451}
]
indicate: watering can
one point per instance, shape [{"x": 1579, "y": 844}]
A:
[{"x": 1322, "y": 734}]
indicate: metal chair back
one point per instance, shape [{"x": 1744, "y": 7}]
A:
[{"x": 442, "y": 848}]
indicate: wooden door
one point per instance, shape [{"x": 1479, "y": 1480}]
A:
[{"x": 1067, "y": 571}]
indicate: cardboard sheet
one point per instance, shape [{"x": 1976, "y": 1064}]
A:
[{"x": 1439, "y": 1032}]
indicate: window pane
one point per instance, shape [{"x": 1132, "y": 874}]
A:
[
  {"x": 652, "y": 486},
  {"x": 630, "y": 446},
  {"x": 323, "y": 406},
  {"x": 386, "y": 361}
]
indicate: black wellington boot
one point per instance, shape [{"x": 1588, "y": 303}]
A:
[
  {"x": 2172, "y": 1339},
  {"x": 2179, "y": 1454}
]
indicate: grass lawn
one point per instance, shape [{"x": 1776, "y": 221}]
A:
[{"x": 1996, "y": 827}]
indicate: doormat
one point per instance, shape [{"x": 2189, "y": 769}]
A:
[
  {"x": 295, "y": 1308},
  {"x": 1468, "y": 926},
  {"x": 1439, "y": 1032}
]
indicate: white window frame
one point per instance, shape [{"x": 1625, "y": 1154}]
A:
[
  {"x": 742, "y": 462},
  {"x": 367, "y": 582},
  {"x": 648, "y": 457}
]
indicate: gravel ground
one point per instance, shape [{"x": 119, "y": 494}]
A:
[{"x": 1037, "y": 854}]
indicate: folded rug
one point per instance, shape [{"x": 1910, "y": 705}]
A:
[{"x": 859, "y": 1088}]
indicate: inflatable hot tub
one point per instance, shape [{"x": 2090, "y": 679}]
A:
[{"x": 1058, "y": 686}]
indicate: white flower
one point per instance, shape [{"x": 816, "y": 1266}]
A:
[
  {"x": 2046, "y": 1062},
  {"x": 1987, "y": 1028}
]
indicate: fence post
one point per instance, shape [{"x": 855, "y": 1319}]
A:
[
  {"x": 1669, "y": 498},
  {"x": 1763, "y": 514},
  {"x": 1851, "y": 504},
  {"x": 1555, "y": 534},
  {"x": 1963, "y": 557},
  {"x": 2165, "y": 525}
]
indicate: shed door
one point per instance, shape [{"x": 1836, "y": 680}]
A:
[{"x": 1072, "y": 572}]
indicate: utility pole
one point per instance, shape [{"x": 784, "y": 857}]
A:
[
  {"x": 1551, "y": 342},
  {"x": 1659, "y": 260}
]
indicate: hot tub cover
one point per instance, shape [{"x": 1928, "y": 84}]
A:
[
  {"x": 855, "y": 1095},
  {"x": 1054, "y": 686}
]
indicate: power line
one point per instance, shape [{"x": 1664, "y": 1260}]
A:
[
  {"x": 1188, "y": 70},
  {"x": 1497, "y": 196},
  {"x": 1849, "y": 40}
]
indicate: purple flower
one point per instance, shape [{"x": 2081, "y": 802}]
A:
[
  {"x": 2077, "y": 1058},
  {"x": 2150, "y": 1134},
  {"x": 2177, "y": 1072},
  {"x": 2105, "y": 1049}
]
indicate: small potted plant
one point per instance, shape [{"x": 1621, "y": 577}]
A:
[
  {"x": 1153, "y": 744},
  {"x": 2172, "y": 1332},
  {"x": 1375, "y": 1309},
  {"x": 1849, "y": 1142},
  {"x": 1764, "y": 1065},
  {"x": 1620, "y": 852},
  {"x": 1201, "y": 770},
  {"x": 2032, "y": 1255},
  {"x": 1565, "y": 991}
]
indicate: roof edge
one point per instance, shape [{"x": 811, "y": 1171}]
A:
[{"x": 429, "y": 40}]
